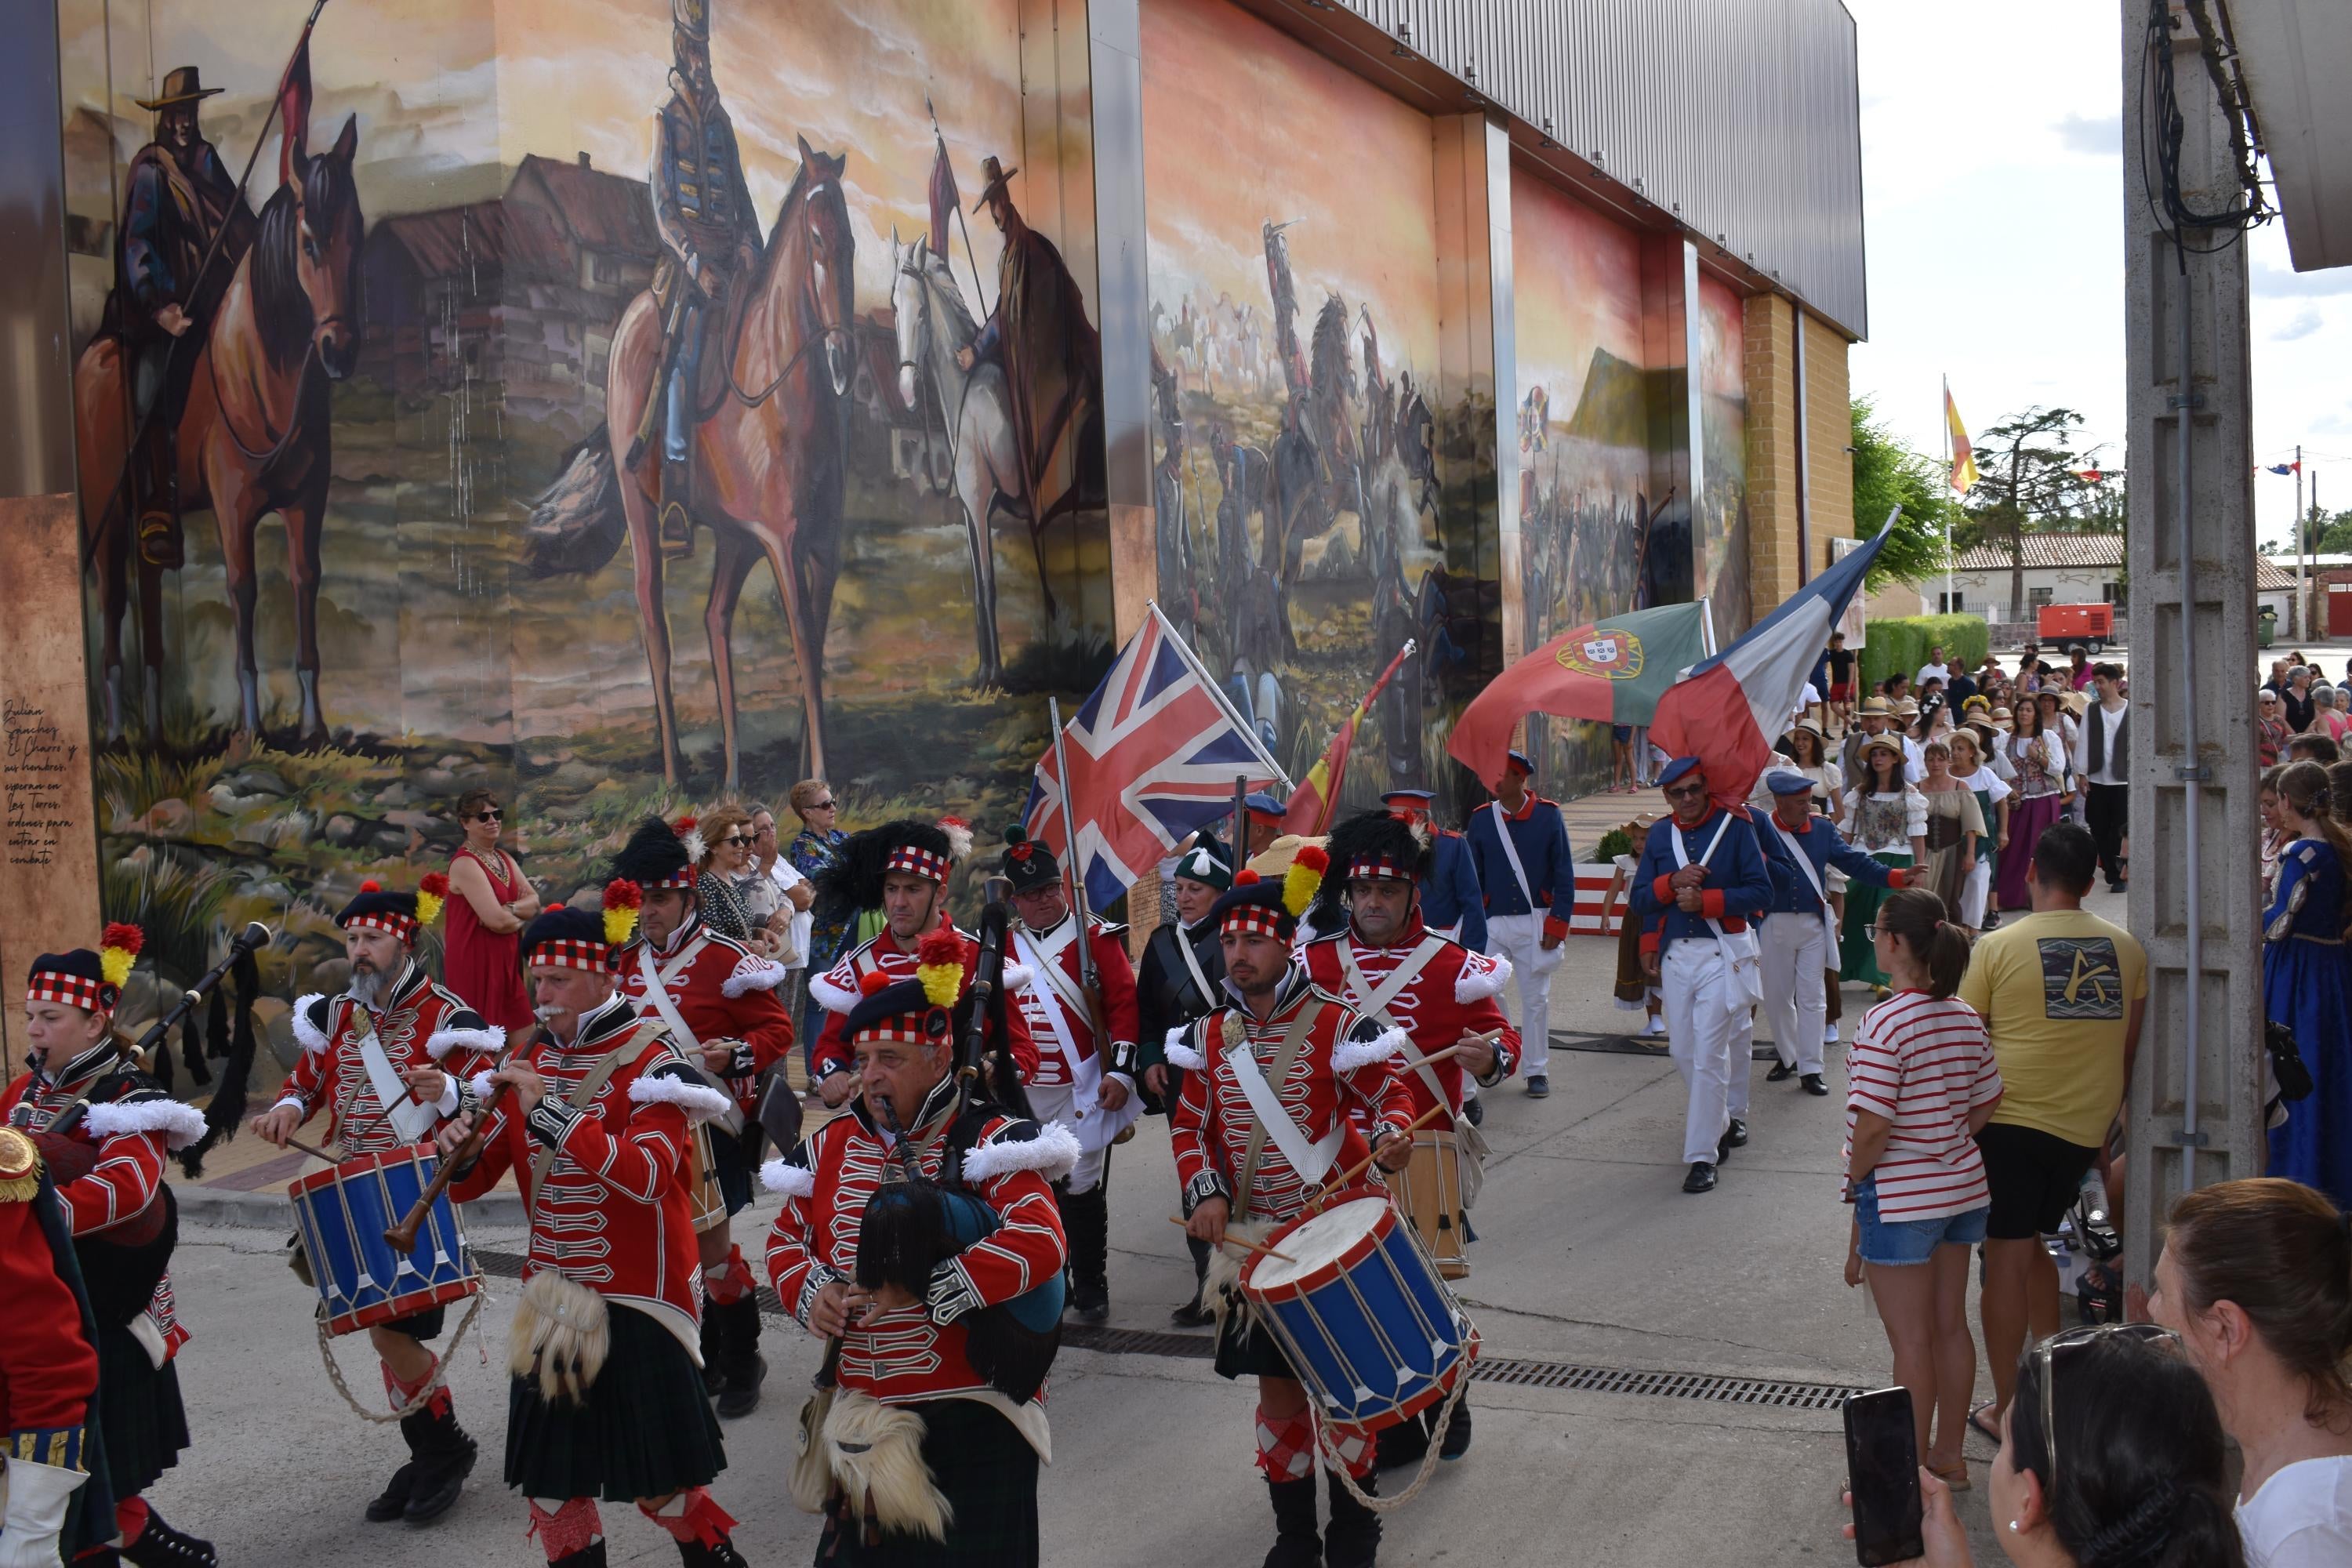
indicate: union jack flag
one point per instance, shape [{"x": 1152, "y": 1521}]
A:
[{"x": 1153, "y": 755}]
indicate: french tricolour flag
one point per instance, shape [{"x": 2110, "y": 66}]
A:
[{"x": 1727, "y": 710}]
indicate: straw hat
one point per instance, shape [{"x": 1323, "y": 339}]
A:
[
  {"x": 1879, "y": 743},
  {"x": 1905, "y": 709},
  {"x": 1876, "y": 707}
]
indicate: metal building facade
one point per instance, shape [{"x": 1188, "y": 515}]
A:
[{"x": 1737, "y": 116}]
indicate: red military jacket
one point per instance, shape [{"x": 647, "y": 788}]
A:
[
  {"x": 1044, "y": 998},
  {"x": 48, "y": 1368},
  {"x": 614, "y": 1212},
  {"x": 836, "y": 991},
  {"x": 421, "y": 1025},
  {"x": 916, "y": 1352},
  {"x": 724, "y": 993},
  {"x": 130, "y": 1124},
  {"x": 1344, "y": 1065},
  {"x": 1451, "y": 994}
]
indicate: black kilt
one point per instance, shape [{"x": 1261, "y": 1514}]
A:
[
  {"x": 1245, "y": 1350},
  {"x": 989, "y": 1473},
  {"x": 139, "y": 1417},
  {"x": 645, "y": 1430},
  {"x": 733, "y": 1157},
  {"x": 421, "y": 1326}
]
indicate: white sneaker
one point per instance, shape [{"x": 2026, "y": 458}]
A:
[
  {"x": 1654, "y": 1028},
  {"x": 1829, "y": 1036}
]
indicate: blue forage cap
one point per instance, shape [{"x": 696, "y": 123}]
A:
[
  {"x": 1418, "y": 797},
  {"x": 1780, "y": 781},
  {"x": 1677, "y": 768},
  {"x": 1520, "y": 759},
  {"x": 1264, "y": 804}
]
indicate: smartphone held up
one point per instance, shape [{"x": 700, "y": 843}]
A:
[{"x": 1882, "y": 1456}]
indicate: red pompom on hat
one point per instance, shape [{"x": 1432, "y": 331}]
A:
[
  {"x": 125, "y": 935},
  {"x": 872, "y": 981},
  {"x": 371, "y": 886},
  {"x": 1244, "y": 877}
]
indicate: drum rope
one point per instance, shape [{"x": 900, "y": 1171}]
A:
[
  {"x": 433, "y": 1384},
  {"x": 1338, "y": 1467}
]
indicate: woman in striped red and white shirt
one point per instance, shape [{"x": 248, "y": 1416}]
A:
[{"x": 1920, "y": 1083}]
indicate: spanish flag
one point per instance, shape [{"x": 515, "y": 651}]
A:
[
  {"x": 1964, "y": 452},
  {"x": 1308, "y": 810}
]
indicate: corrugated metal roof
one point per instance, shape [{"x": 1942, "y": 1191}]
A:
[
  {"x": 1741, "y": 117},
  {"x": 450, "y": 240},
  {"x": 605, "y": 212},
  {"x": 2047, "y": 550}
]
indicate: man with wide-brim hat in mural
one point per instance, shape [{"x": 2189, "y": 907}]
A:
[
  {"x": 709, "y": 235},
  {"x": 1086, "y": 1073},
  {"x": 900, "y": 869},
  {"x": 718, "y": 999},
  {"x": 1038, "y": 335},
  {"x": 176, "y": 198},
  {"x": 385, "y": 1058},
  {"x": 103, "y": 1127}
]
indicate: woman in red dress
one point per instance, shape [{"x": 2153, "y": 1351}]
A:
[{"x": 480, "y": 961}]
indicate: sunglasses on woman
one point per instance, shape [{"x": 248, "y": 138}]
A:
[
  {"x": 489, "y": 814},
  {"x": 2044, "y": 1352},
  {"x": 736, "y": 839},
  {"x": 826, "y": 805}
]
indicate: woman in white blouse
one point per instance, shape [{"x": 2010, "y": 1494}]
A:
[{"x": 1887, "y": 819}]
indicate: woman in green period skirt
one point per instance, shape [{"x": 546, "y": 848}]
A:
[{"x": 1887, "y": 819}]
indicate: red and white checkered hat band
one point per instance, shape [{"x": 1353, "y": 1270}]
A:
[
  {"x": 681, "y": 878},
  {"x": 914, "y": 857},
  {"x": 72, "y": 990},
  {"x": 564, "y": 953},
  {"x": 401, "y": 926},
  {"x": 1377, "y": 866},
  {"x": 1254, "y": 920},
  {"x": 907, "y": 1028}
]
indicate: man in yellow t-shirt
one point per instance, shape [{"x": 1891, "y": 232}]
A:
[{"x": 2063, "y": 993}]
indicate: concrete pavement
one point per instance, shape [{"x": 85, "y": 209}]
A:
[{"x": 1592, "y": 1256}]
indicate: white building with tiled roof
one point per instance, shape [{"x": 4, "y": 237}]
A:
[{"x": 2065, "y": 569}]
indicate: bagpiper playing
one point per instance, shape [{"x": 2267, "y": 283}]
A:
[
  {"x": 1392, "y": 969},
  {"x": 926, "y": 1452},
  {"x": 1079, "y": 1082},
  {"x": 596, "y": 1119},
  {"x": 58, "y": 1501},
  {"x": 718, "y": 999},
  {"x": 1283, "y": 1040},
  {"x": 1180, "y": 979},
  {"x": 371, "y": 1058},
  {"x": 901, "y": 869},
  {"x": 103, "y": 1128}
]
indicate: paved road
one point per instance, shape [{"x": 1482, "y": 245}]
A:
[{"x": 1594, "y": 1257}]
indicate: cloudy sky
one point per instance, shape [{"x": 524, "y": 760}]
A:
[{"x": 1993, "y": 186}]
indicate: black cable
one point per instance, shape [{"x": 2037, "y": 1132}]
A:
[{"x": 2170, "y": 208}]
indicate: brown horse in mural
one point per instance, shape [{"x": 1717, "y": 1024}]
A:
[
  {"x": 769, "y": 453},
  {"x": 253, "y": 432}
]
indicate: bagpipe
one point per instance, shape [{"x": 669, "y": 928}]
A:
[{"x": 913, "y": 1223}]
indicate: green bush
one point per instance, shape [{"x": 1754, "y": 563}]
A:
[
  {"x": 1902, "y": 643},
  {"x": 1613, "y": 843}
]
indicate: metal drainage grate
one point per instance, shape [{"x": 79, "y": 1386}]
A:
[
  {"x": 1771, "y": 1393},
  {"x": 1764, "y": 1391}
]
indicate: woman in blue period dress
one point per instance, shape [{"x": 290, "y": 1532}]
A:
[{"x": 2307, "y": 984}]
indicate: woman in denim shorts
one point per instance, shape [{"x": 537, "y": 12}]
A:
[{"x": 1920, "y": 1082}]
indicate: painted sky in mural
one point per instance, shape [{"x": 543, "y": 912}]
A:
[{"x": 1719, "y": 540}]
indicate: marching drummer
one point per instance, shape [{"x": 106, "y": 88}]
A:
[
  {"x": 1400, "y": 974},
  {"x": 595, "y": 1121},
  {"x": 371, "y": 1058},
  {"x": 719, "y": 1000},
  {"x": 958, "y": 1483},
  {"x": 119, "y": 1214},
  {"x": 1310, "y": 1061}
]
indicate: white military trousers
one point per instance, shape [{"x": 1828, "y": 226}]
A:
[{"x": 1701, "y": 1032}]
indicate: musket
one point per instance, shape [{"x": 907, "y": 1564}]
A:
[
  {"x": 195, "y": 288},
  {"x": 672, "y": 329},
  {"x": 970, "y": 260}
]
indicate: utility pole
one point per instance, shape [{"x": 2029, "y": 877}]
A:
[{"x": 2294, "y": 633}]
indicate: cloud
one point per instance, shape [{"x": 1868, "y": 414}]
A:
[
  {"x": 2306, "y": 322},
  {"x": 2278, "y": 282},
  {"x": 2094, "y": 135}
]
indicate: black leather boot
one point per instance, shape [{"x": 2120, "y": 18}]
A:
[
  {"x": 1295, "y": 1542},
  {"x": 738, "y": 1350},
  {"x": 445, "y": 1458},
  {"x": 697, "y": 1556},
  {"x": 393, "y": 1501},
  {"x": 714, "y": 1350},
  {"x": 589, "y": 1556},
  {"x": 1085, "y": 1218},
  {"x": 161, "y": 1546},
  {"x": 1354, "y": 1538},
  {"x": 1402, "y": 1444},
  {"x": 1456, "y": 1441}
]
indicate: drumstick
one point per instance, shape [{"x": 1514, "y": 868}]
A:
[
  {"x": 315, "y": 1153},
  {"x": 1488, "y": 1038},
  {"x": 1232, "y": 1240},
  {"x": 1348, "y": 1177}
]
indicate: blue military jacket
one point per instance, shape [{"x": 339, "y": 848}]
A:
[{"x": 1736, "y": 883}]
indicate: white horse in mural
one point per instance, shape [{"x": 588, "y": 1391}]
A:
[{"x": 933, "y": 323}]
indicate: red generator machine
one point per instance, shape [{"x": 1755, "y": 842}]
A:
[{"x": 2093, "y": 625}]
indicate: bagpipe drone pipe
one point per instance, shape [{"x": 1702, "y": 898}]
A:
[{"x": 913, "y": 1223}]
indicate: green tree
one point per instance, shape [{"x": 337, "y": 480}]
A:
[
  {"x": 2028, "y": 479},
  {"x": 1887, "y": 474}
]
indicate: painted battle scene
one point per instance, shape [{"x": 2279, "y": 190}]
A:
[
  {"x": 1313, "y": 478},
  {"x": 620, "y": 405}
]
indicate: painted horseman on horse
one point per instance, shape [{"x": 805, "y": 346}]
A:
[{"x": 711, "y": 238}]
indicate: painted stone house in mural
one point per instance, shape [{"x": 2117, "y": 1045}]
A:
[{"x": 1285, "y": 397}]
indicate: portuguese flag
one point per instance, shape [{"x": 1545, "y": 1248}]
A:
[{"x": 1613, "y": 670}]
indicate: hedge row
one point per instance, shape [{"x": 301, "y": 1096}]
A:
[{"x": 1902, "y": 643}]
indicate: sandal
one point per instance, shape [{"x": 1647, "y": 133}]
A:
[
  {"x": 1981, "y": 1426},
  {"x": 1956, "y": 1478}
]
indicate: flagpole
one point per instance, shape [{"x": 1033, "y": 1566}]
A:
[
  {"x": 1192, "y": 660},
  {"x": 940, "y": 144},
  {"x": 1355, "y": 721},
  {"x": 1951, "y": 468},
  {"x": 1706, "y": 625}
]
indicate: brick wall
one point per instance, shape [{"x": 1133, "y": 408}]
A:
[
  {"x": 1770, "y": 324},
  {"x": 1829, "y": 430}
]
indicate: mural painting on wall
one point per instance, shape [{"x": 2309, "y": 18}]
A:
[
  {"x": 1589, "y": 526},
  {"x": 1301, "y": 485},
  {"x": 402, "y": 462},
  {"x": 1719, "y": 537}
]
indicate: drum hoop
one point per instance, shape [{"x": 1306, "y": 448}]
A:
[
  {"x": 1436, "y": 1378},
  {"x": 1323, "y": 1273}
]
